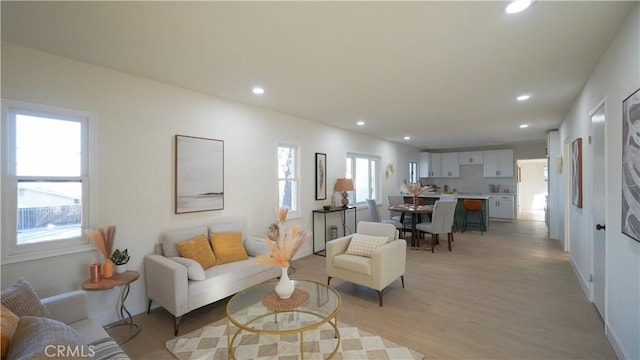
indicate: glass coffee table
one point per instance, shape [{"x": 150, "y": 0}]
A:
[{"x": 258, "y": 310}]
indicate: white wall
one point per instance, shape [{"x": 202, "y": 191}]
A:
[
  {"x": 532, "y": 186},
  {"x": 137, "y": 120},
  {"x": 616, "y": 77}
]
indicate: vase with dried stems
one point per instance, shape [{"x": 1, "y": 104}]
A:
[
  {"x": 283, "y": 247},
  {"x": 416, "y": 190},
  {"x": 103, "y": 240}
]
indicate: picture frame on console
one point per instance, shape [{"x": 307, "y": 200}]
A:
[
  {"x": 321, "y": 176},
  {"x": 199, "y": 174},
  {"x": 630, "y": 159}
]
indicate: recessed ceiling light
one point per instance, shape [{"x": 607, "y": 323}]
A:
[
  {"x": 524, "y": 126},
  {"x": 523, "y": 97},
  {"x": 360, "y": 123},
  {"x": 407, "y": 137},
  {"x": 517, "y": 6},
  {"x": 258, "y": 90}
]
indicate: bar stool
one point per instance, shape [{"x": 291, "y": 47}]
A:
[{"x": 473, "y": 206}]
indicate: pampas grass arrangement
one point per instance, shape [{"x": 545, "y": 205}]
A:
[
  {"x": 283, "y": 246},
  {"x": 103, "y": 239}
]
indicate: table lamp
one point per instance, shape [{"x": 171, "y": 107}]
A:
[{"x": 344, "y": 185}]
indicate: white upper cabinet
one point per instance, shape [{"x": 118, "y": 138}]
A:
[
  {"x": 450, "y": 165},
  {"x": 498, "y": 163},
  {"x": 471, "y": 157},
  {"x": 430, "y": 165}
]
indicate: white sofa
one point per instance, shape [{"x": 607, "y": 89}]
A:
[
  {"x": 66, "y": 331},
  {"x": 386, "y": 264},
  {"x": 171, "y": 283}
]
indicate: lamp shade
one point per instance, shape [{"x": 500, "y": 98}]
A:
[{"x": 344, "y": 185}]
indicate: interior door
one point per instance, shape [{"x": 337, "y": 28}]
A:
[{"x": 598, "y": 213}]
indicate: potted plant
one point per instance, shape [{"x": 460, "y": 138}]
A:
[{"x": 120, "y": 260}]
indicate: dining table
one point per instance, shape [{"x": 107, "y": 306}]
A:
[{"x": 415, "y": 212}]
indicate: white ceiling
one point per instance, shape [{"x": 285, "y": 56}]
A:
[{"x": 445, "y": 73}]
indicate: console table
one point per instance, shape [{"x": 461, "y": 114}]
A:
[{"x": 343, "y": 215}]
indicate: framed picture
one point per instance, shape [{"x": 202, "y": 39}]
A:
[
  {"x": 576, "y": 172},
  {"x": 630, "y": 161},
  {"x": 321, "y": 176},
  {"x": 199, "y": 178}
]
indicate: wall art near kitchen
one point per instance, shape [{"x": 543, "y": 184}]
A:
[
  {"x": 576, "y": 172},
  {"x": 321, "y": 176},
  {"x": 631, "y": 166},
  {"x": 199, "y": 174}
]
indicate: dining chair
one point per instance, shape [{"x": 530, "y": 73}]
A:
[
  {"x": 394, "y": 200},
  {"x": 375, "y": 215},
  {"x": 451, "y": 197},
  {"x": 441, "y": 222}
]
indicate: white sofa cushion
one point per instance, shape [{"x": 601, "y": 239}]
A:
[
  {"x": 170, "y": 238},
  {"x": 228, "y": 273},
  {"x": 256, "y": 246},
  {"x": 194, "y": 269}
]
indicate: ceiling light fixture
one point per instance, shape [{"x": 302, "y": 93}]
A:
[
  {"x": 258, "y": 90},
  {"x": 407, "y": 137},
  {"x": 524, "y": 126},
  {"x": 517, "y": 6},
  {"x": 523, "y": 97},
  {"x": 360, "y": 123}
]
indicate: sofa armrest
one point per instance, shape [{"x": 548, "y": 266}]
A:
[
  {"x": 167, "y": 283},
  {"x": 68, "y": 307},
  {"x": 388, "y": 262}
]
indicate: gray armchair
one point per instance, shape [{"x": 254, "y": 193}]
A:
[{"x": 386, "y": 264}]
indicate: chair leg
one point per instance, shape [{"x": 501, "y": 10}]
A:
[
  {"x": 380, "y": 297},
  {"x": 402, "y": 279},
  {"x": 329, "y": 281},
  {"x": 464, "y": 221},
  {"x": 433, "y": 242},
  {"x": 176, "y": 323},
  {"x": 149, "y": 307},
  {"x": 482, "y": 226},
  {"x": 449, "y": 239}
]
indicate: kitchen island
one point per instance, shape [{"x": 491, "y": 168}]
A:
[{"x": 431, "y": 198}]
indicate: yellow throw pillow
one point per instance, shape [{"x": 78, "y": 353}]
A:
[
  {"x": 228, "y": 247},
  {"x": 197, "y": 249},
  {"x": 9, "y": 322}
]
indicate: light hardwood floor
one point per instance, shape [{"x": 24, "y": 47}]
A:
[{"x": 509, "y": 294}]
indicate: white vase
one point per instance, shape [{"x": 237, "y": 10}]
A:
[
  {"x": 285, "y": 287},
  {"x": 121, "y": 269}
]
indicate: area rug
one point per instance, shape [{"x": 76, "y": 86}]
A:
[{"x": 210, "y": 342}]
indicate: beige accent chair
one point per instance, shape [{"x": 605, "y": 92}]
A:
[{"x": 386, "y": 264}]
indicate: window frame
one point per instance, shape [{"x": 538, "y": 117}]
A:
[
  {"x": 373, "y": 191},
  {"x": 413, "y": 172},
  {"x": 12, "y": 252},
  {"x": 297, "y": 212}
]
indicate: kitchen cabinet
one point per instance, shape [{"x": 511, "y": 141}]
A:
[
  {"x": 501, "y": 207},
  {"x": 498, "y": 163},
  {"x": 471, "y": 157},
  {"x": 450, "y": 165},
  {"x": 430, "y": 165}
]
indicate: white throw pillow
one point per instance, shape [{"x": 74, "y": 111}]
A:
[
  {"x": 363, "y": 245},
  {"x": 194, "y": 269},
  {"x": 256, "y": 246}
]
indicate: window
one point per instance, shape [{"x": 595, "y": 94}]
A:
[
  {"x": 288, "y": 178},
  {"x": 45, "y": 181},
  {"x": 363, "y": 170},
  {"x": 413, "y": 172}
]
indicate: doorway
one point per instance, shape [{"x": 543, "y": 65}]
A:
[{"x": 533, "y": 175}]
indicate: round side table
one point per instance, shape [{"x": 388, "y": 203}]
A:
[{"x": 122, "y": 281}]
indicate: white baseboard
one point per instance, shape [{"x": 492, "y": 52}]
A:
[
  {"x": 583, "y": 281},
  {"x": 615, "y": 344}
]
